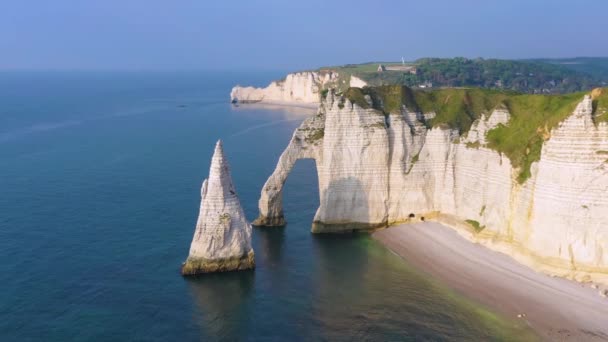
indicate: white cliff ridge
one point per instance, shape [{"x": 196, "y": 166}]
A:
[
  {"x": 222, "y": 238},
  {"x": 356, "y": 82},
  {"x": 376, "y": 170},
  {"x": 297, "y": 88}
]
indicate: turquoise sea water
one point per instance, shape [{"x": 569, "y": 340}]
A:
[{"x": 100, "y": 177}]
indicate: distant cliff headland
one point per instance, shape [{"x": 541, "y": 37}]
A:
[
  {"x": 540, "y": 76},
  {"x": 522, "y": 173}
]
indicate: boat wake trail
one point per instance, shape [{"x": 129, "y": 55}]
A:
[{"x": 256, "y": 127}]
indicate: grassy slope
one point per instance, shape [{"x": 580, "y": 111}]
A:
[
  {"x": 600, "y": 104},
  {"x": 532, "y": 116}
]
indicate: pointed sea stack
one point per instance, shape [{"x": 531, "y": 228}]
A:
[{"x": 222, "y": 239}]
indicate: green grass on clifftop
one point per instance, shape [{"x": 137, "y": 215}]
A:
[
  {"x": 532, "y": 119},
  {"x": 600, "y": 104},
  {"x": 458, "y": 108},
  {"x": 455, "y": 108},
  {"x": 532, "y": 116}
]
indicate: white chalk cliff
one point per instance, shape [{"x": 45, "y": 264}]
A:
[
  {"x": 222, "y": 238},
  {"x": 356, "y": 82},
  {"x": 376, "y": 170},
  {"x": 297, "y": 88}
]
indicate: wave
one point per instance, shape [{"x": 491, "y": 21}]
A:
[
  {"x": 41, "y": 127},
  {"x": 50, "y": 126}
]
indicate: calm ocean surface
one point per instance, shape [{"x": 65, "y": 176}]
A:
[{"x": 100, "y": 177}]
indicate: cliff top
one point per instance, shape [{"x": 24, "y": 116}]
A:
[
  {"x": 528, "y": 76},
  {"x": 532, "y": 116}
]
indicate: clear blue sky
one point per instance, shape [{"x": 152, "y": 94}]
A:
[{"x": 285, "y": 34}]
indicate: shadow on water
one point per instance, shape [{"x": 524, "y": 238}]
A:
[
  {"x": 272, "y": 243},
  {"x": 223, "y": 301}
]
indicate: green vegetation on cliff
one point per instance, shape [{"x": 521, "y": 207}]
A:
[
  {"x": 532, "y": 119},
  {"x": 596, "y": 67},
  {"x": 532, "y": 116},
  {"x": 312, "y": 134},
  {"x": 457, "y": 108},
  {"x": 520, "y": 76},
  {"x": 528, "y": 76},
  {"x": 478, "y": 228},
  {"x": 454, "y": 108},
  {"x": 600, "y": 104}
]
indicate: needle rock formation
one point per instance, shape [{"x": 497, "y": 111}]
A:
[{"x": 222, "y": 239}]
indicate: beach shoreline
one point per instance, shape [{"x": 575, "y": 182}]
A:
[
  {"x": 557, "y": 309},
  {"x": 262, "y": 103}
]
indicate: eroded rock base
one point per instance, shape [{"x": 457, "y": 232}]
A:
[
  {"x": 350, "y": 227},
  {"x": 264, "y": 221},
  {"x": 197, "y": 266}
]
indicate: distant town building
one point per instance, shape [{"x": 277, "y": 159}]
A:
[
  {"x": 426, "y": 84},
  {"x": 407, "y": 68}
]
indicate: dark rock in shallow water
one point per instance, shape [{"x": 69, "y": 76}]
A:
[{"x": 194, "y": 266}]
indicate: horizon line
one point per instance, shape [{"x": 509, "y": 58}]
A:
[{"x": 260, "y": 68}]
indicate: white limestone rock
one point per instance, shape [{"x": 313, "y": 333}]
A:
[
  {"x": 353, "y": 184},
  {"x": 356, "y": 82},
  {"x": 375, "y": 171},
  {"x": 222, "y": 238},
  {"x": 297, "y": 88}
]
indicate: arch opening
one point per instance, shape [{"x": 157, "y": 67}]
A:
[{"x": 301, "y": 191}]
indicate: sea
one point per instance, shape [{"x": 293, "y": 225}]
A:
[{"x": 100, "y": 177}]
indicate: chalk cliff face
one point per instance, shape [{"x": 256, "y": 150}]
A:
[
  {"x": 301, "y": 87},
  {"x": 222, "y": 238},
  {"x": 356, "y": 82},
  {"x": 376, "y": 170}
]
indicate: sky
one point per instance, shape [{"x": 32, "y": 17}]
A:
[{"x": 289, "y": 35}]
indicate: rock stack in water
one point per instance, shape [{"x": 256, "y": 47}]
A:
[{"x": 222, "y": 239}]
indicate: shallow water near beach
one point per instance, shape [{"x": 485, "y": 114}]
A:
[{"x": 100, "y": 177}]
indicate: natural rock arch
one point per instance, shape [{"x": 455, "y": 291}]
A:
[
  {"x": 351, "y": 197},
  {"x": 301, "y": 146}
]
